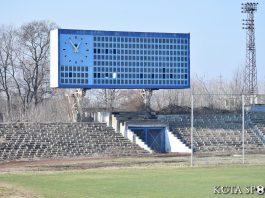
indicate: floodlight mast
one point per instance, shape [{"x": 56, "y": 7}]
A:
[{"x": 250, "y": 71}]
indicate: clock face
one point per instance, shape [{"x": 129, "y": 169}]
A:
[{"x": 75, "y": 50}]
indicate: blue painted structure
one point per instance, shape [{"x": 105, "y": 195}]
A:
[
  {"x": 154, "y": 137},
  {"x": 121, "y": 60}
]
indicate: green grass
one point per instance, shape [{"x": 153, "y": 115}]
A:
[{"x": 161, "y": 181}]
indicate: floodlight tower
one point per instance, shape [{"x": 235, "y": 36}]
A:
[{"x": 250, "y": 72}]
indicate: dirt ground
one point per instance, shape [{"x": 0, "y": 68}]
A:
[
  {"x": 86, "y": 163},
  {"x": 81, "y": 163}
]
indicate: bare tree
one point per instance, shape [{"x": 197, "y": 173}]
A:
[
  {"x": 108, "y": 98},
  {"x": 236, "y": 84},
  {"x": 7, "y": 37},
  {"x": 33, "y": 53},
  {"x": 131, "y": 100}
]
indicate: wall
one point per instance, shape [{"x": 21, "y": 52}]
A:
[{"x": 173, "y": 144}]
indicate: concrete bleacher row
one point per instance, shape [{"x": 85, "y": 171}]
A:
[
  {"x": 212, "y": 133},
  {"x": 215, "y": 133},
  {"x": 258, "y": 119},
  {"x": 55, "y": 140}
]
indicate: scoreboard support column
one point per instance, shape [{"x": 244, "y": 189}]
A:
[
  {"x": 146, "y": 95},
  {"x": 75, "y": 98}
]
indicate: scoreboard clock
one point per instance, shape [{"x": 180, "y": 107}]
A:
[
  {"x": 71, "y": 59},
  {"x": 122, "y": 60},
  {"x": 74, "y": 49}
]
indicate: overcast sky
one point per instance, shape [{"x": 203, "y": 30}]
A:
[{"x": 217, "y": 39}]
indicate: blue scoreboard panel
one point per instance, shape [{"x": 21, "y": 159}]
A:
[{"x": 119, "y": 60}]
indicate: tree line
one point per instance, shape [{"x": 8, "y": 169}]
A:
[{"x": 24, "y": 81}]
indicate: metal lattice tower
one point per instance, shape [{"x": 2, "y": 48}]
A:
[{"x": 250, "y": 72}]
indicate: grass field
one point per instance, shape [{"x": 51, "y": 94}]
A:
[{"x": 153, "y": 181}]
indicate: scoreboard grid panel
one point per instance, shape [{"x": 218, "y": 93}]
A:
[
  {"x": 140, "y": 60},
  {"x": 130, "y": 60}
]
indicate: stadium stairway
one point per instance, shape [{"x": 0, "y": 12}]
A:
[
  {"x": 126, "y": 122},
  {"x": 137, "y": 140},
  {"x": 19, "y": 141}
]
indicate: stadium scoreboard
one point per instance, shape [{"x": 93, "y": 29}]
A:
[{"x": 119, "y": 60}]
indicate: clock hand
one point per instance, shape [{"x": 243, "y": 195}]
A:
[
  {"x": 73, "y": 46},
  {"x": 78, "y": 46}
]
